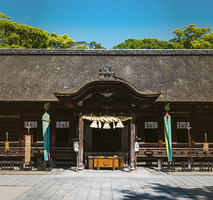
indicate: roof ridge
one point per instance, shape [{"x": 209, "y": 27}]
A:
[{"x": 116, "y": 52}]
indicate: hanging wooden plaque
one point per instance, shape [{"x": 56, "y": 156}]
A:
[
  {"x": 205, "y": 146},
  {"x": 6, "y": 145}
]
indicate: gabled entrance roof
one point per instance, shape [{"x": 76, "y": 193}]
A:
[{"x": 106, "y": 91}]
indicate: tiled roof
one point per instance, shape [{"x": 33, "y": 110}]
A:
[{"x": 36, "y": 74}]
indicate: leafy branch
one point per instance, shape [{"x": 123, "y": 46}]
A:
[
  {"x": 46, "y": 106},
  {"x": 166, "y": 107}
]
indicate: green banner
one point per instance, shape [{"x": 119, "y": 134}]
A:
[
  {"x": 46, "y": 135},
  {"x": 168, "y": 136}
]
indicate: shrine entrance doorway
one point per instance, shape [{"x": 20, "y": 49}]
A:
[
  {"x": 104, "y": 140},
  {"x": 106, "y": 96}
]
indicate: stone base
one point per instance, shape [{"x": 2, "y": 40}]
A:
[
  {"x": 132, "y": 170},
  {"x": 79, "y": 170}
]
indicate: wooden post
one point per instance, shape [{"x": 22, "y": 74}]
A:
[
  {"x": 52, "y": 127},
  {"x": 21, "y": 122},
  {"x": 132, "y": 144},
  {"x": 192, "y": 122},
  {"x": 80, "y": 166},
  {"x": 159, "y": 163},
  {"x": 142, "y": 130},
  {"x": 161, "y": 124}
]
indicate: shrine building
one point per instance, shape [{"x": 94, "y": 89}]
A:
[{"x": 121, "y": 92}]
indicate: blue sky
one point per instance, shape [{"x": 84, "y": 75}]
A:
[{"x": 110, "y": 22}]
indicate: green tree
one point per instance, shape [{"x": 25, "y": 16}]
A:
[
  {"x": 4, "y": 16},
  {"x": 60, "y": 42},
  {"x": 192, "y": 37},
  {"x": 147, "y": 43},
  {"x": 15, "y": 35},
  {"x": 22, "y": 35},
  {"x": 94, "y": 45},
  {"x": 80, "y": 45}
]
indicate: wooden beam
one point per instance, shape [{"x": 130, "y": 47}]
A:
[
  {"x": 110, "y": 104},
  {"x": 80, "y": 166}
]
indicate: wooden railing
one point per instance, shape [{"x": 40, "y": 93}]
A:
[
  {"x": 55, "y": 151},
  {"x": 60, "y": 155},
  {"x": 66, "y": 155},
  {"x": 176, "y": 152},
  {"x": 143, "y": 152}
]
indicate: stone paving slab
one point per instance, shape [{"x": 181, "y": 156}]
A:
[
  {"x": 109, "y": 185},
  {"x": 11, "y": 192},
  {"x": 190, "y": 173},
  {"x": 13, "y": 172},
  {"x": 200, "y": 192}
]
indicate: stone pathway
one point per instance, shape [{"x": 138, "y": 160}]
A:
[{"x": 109, "y": 185}]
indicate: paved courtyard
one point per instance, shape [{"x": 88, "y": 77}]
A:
[{"x": 106, "y": 185}]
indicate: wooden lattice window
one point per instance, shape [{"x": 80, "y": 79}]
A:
[
  {"x": 31, "y": 124},
  {"x": 60, "y": 124},
  {"x": 151, "y": 125},
  {"x": 183, "y": 125}
]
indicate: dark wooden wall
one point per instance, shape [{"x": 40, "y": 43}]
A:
[
  {"x": 9, "y": 122},
  {"x": 13, "y": 115},
  {"x": 203, "y": 123},
  {"x": 200, "y": 117}
]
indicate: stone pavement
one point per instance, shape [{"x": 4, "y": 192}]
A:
[{"x": 107, "y": 185}]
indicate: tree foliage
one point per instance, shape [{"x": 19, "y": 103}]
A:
[
  {"x": 15, "y": 35},
  {"x": 4, "y": 16},
  {"x": 80, "y": 45},
  {"x": 147, "y": 43},
  {"x": 192, "y": 37},
  {"x": 94, "y": 45},
  {"x": 60, "y": 42},
  {"x": 22, "y": 35}
]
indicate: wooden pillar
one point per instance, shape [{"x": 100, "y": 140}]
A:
[
  {"x": 142, "y": 129},
  {"x": 80, "y": 166},
  {"x": 159, "y": 163},
  {"x": 21, "y": 122},
  {"x": 161, "y": 124},
  {"x": 132, "y": 144},
  {"x": 192, "y": 122},
  {"x": 52, "y": 127}
]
